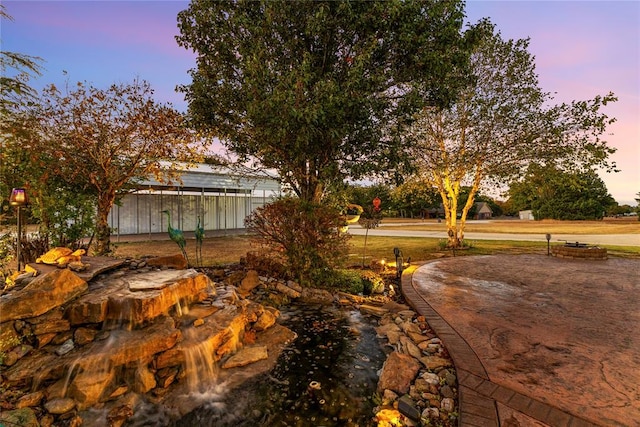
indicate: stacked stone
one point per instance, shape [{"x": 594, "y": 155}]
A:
[
  {"x": 62, "y": 351},
  {"x": 418, "y": 384},
  {"x": 591, "y": 252}
]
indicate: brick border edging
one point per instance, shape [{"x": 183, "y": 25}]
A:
[
  {"x": 478, "y": 396},
  {"x": 474, "y": 408}
]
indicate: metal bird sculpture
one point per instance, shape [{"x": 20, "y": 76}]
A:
[
  {"x": 177, "y": 236},
  {"x": 199, "y": 238}
]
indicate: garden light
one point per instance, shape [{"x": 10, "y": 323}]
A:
[{"x": 18, "y": 199}]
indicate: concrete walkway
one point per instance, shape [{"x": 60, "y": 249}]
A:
[{"x": 536, "y": 341}]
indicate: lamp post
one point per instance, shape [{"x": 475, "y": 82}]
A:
[
  {"x": 548, "y": 236},
  {"x": 18, "y": 199},
  {"x": 399, "y": 261}
]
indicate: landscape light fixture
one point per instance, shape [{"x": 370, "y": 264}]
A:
[
  {"x": 399, "y": 261},
  {"x": 548, "y": 236},
  {"x": 19, "y": 199}
]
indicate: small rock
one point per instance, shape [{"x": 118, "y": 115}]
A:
[
  {"x": 15, "y": 354},
  {"x": 47, "y": 420},
  {"x": 118, "y": 392},
  {"x": 435, "y": 362},
  {"x": 266, "y": 320},
  {"x": 119, "y": 415},
  {"x": 74, "y": 421},
  {"x": 447, "y": 404},
  {"x": 431, "y": 378},
  {"x": 84, "y": 336},
  {"x": 31, "y": 399},
  {"x": 446, "y": 391},
  {"x": 388, "y": 397},
  {"x": 407, "y": 407},
  {"x": 60, "y": 405},
  {"x": 431, "y": 413},
  {"x": 65, "y": 348}
]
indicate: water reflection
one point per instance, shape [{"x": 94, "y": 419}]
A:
[{"x": 327, "y": 377}]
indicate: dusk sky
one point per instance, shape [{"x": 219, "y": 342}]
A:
[{"x": 582, "y": 49}]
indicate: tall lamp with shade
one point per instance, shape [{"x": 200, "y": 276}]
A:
[{"x": 19, "y": 199}]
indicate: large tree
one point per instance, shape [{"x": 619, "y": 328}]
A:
[
  {"x": 102, "y": 140},
  {"x": 498, "y": 125},
  {"x": 317, "y": 89},
  {"x": 554, "y": 194}
]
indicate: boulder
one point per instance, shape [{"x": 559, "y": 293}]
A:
[
  {"x": 286, "y": 290},
  {"x": 60, "y": 286},
  {"x": 144, "y": 380},
  {"x": 90, "y": 386},
  {"x": 373, "y": 310},
  {"x": 131, "y": 346},
  {"x": 246, "y": 356},
  {"x": 249, "y": 283},
  {"x": 266, "y": 320},
  {"x": 398, "y": 372},
  {"x": 141, "y": 298}
]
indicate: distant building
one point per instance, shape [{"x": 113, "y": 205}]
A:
[
  {"x": 220, "y": 197},
  {"x": 483, "y": 210},
  {"x": 526, "y": 215}
]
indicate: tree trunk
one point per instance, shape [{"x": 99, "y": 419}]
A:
[
  {"x": 449, "y": 195},
  {"x": 103, "y": 231},
  {"x": 454, "y": 240}
]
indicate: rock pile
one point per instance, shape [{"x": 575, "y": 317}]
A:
[
  {"x": 418, "y": 382},
  {"x": 138, "y": 333},
  {"x": 148, "y": 333}
]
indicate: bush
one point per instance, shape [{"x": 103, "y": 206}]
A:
[
  {"x": 365, "y": 282},
  {"x": 306, "y": 235},
  {"x": 372, "y": 282},
  {"x": 343, "y": 280}
]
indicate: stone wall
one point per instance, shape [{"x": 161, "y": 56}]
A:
[{"x": 573, "y": 252}]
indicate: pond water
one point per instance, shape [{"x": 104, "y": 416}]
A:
[{"x": 326, "y": 377}]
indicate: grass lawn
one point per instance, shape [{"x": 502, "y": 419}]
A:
[
  {"x": 627, "y": 225},
  {"x": 228, "y": 249}
]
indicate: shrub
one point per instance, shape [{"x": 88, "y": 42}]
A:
[
  {"x": 306, "y": 235},
  {"x": 372, "y": 282},
  {"x": 343, "y": 280}
]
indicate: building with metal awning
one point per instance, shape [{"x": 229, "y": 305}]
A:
[{"x": 217, "y": 196}]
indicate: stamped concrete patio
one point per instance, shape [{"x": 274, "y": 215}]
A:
[{"x": 537, "y": 340}]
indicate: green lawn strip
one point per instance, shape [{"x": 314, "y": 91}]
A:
[{"x": 425, "y": 248}]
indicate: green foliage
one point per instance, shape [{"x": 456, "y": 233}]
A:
[
  {"x": 364, "y": 195},
  {"x": 414, "y": 197},
  {"x": 357, "y": 282},
  {"x": 7, "y": 254},
  {"x": 306, "y": 234},
  {"x": 318, "y": 89},
  {"x": 16, "y": 70},
  {"x": 499, "y": 125},
  {"x": 372, "y": 282},
  {"x": 344, "y": 280},
  {"x": 108, "y": 138},
  {"x": 555, "y": 194}
]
